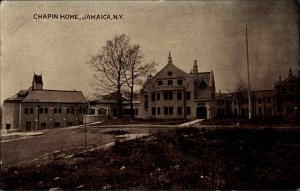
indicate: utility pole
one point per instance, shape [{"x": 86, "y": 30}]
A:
[
  {"x": 248, "y": 73},
  {"x": 85, "y": 137}
]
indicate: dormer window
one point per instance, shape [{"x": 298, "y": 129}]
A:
[
  {"x": 170, "y": 82},
  {"x": 160, "y": 83}
]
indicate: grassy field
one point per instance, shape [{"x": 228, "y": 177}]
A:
[{"x": 186, "y": 158}]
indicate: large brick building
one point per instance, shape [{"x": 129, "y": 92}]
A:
[
  {"x": 172, "y": 93},
  {"x": 37, "y": 108}
]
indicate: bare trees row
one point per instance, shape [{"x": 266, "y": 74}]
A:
[{"x": 119, "y": 66}]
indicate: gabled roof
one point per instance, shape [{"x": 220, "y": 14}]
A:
[
  {"x": 290, "y": 80},
  {"x": 55, "y": 96}
]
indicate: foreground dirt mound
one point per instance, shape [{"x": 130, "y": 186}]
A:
[{"x": 187, "y": 158}]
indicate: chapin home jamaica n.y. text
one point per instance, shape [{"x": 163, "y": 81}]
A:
[{"x": 52, "y": 16}]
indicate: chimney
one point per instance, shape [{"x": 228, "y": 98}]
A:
[
  {"x": 195, "y": 69},
  {"x": 170, "y": 58}
]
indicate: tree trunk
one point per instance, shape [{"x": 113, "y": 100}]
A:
[
  {"x": 131, "y": 103},
  {"x": 119, "y": 102}
]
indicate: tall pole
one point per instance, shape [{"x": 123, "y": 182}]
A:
[
  {"x": 248, "y": 72},
  {"x": 85, "y": 138}
]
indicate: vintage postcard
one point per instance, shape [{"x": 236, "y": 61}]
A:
[{"x": 150, "y": 95}]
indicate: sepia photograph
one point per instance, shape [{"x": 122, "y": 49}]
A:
[{"x": 150, "y": 95}]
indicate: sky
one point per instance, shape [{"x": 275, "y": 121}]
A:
[{"x": 212, "y": 32}]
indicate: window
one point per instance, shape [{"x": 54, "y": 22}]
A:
[
  {"x": 59, "y": 110},
  {"x": 220, "y": 102},
  {"x": 55, "y": 111},
  {"x": 26, "y": 111},
  {"x": 7, "y": 126},
  {"x": 146, "y": 104},
  {"x": 179, "y": 110},
  {"x": 31, "y": 110},
  {"x": 259, "y": 111},
  {"x": 158, "y": 111},
  {"x": 269, "y": 111},
  {"x": 179, "y": 82},
  {"x": 269, "y": 100},
  {"x": 234, "y": 102},
  {"x": 103, "y": 112},
  {"x": 41, "y": 110},
  {"x": 259, "y": 100},
  {"x": 168, "y": 111},
  {"x": 72, "y": 110},
  {"x": 43, "y": 125},
  {"x": 153, "y": 111},
  {"x": 160, "y": 83},
  {"x": 153, "y": 97},
  {"x": 80, "y": 110},
  {"x": 68, "y": 110},
  {"x": 179, "y": 95},
  {"x": 126, "y": 112},
  {"x": 83, "y": 110},
  {"x": 289, "y": 98},
  {"x": 158, "y": 96},
  {"x": 170, "y": 82},
  {"x": 188, "y": 110},
  {"x": 168, "y": 95},
  {"x": 56, "y": 124},
  {"x": 93, "y": 111},
  {"x": 46, "y": 110},
  {"x": 188, "y": 95},
  {"x": 220, "y": 111}
]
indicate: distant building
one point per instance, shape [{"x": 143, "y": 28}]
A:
[
  {"x": 174, "y": 94},
  {"x": 37, "y": 108},
  {"x": 107, "y": 107},
  {"x": 283, "y": 100},
  {"x": 288, "y": 95}
]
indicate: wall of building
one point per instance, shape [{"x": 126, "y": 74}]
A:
[
  {"x": 10, "y": 117},
  {"x": 35, "y": 116}
]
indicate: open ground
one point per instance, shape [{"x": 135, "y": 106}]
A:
[{"x": 165, "y": 158}]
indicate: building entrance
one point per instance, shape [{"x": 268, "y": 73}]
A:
[
  {"x": 201, "y": 113},
  {"x": 28, "y": 126}
]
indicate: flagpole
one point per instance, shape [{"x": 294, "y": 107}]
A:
[{"x": 248, "y": 73}]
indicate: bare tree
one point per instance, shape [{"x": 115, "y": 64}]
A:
[
  {"x": 136, "y": 71},
  {"x": 111, "y": 65}
]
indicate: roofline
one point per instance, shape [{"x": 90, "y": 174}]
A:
[
  {"x": 166, "y": 66},
  {"x": 55, "y": 102},
  {"x": 60, "y": 90},
  {"x": 251, "y": 91}
]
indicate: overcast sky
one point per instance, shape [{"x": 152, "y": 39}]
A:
[{"x": 211, "y": 32}]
